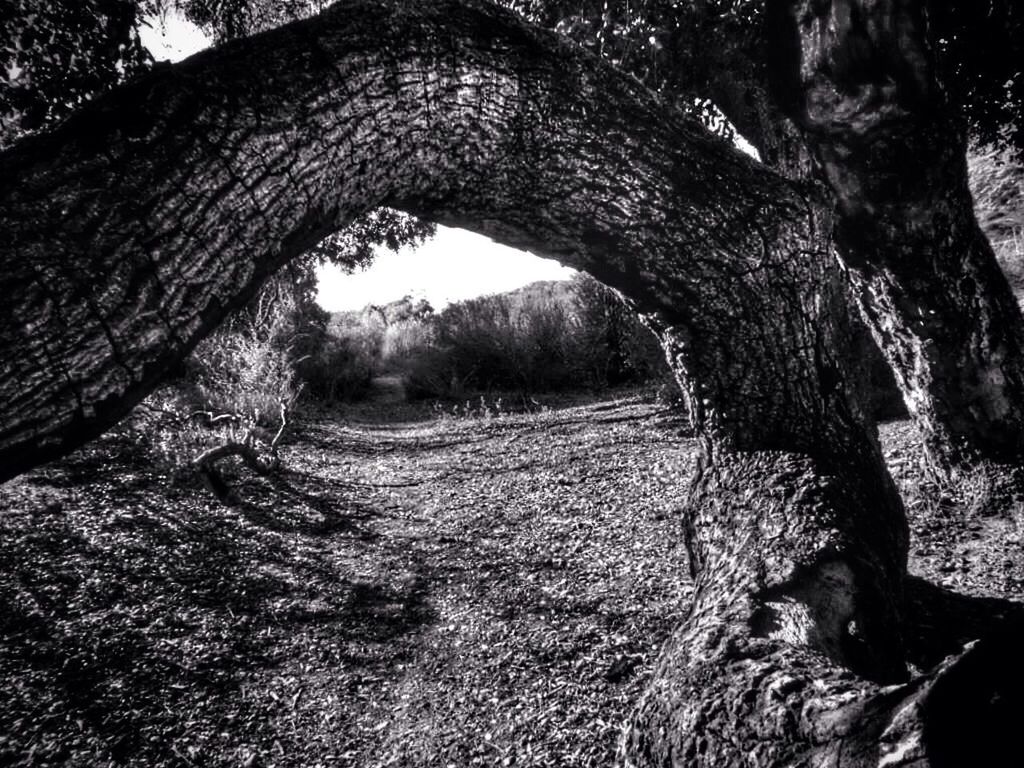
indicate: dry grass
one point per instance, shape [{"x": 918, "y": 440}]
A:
[{"x": 997, "y": 184}]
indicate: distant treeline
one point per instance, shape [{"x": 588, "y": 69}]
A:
[{"x": 545, "y": 337}]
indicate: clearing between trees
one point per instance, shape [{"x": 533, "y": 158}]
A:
[{"x": 419, "y": 590}]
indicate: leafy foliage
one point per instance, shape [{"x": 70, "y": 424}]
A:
[
  {"x": 352, "y": 247},
  {"x": 246, "y": 371},
  {"x": 695, "y": 51},
  {"x": 545, "y": 337},
  {"x": 508, "y": 341},
  {"x": 542, "y": 338},
  {"x": 57, "y": 54},
  {"x": 228, "y": 19},
  {"x": 235, "y": 390},
  {"x": 616, "y": 345},
  {"x": 343, "y": 365},
  {"x": 676, "y": 48}
]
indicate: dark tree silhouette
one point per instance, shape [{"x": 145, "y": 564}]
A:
[{"x": 861, "y": 80}]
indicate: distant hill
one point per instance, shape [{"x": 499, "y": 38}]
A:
[{"x": 551, "y": 290}]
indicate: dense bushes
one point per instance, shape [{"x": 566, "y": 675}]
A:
[
  {"x": 520, "y": 341},
  {"x": 343, "y": 363},
  {"x": 617, "y": 347},
  {"x": 545, "y": 337}
]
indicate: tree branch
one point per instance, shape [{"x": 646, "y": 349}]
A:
[{"x": 136, "y": 226}]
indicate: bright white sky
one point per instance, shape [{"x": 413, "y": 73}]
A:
[{"x": 452, "y": 266}]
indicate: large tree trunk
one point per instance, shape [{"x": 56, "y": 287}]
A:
[
  {"x": 859, "y": 78},
  {"x": 135, "y": 227},
  {"x": 747, "y": 102}
]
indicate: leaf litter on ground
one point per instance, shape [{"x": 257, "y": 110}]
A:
[{"x": 426, "y": 592}]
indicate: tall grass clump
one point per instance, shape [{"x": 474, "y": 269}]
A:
[
  {"x": 997, "y": 185},
  {"x": 237, "y": 389},
  {"x": 246, "y": 372}
]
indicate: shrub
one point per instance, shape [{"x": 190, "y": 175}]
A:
[
  {"x": 504, "y": 342},
  {"x": 342, "y": 368},
  {"x": 545, "y": 337},
  {"x": 242, "y": 374},
  {"x": 617, "y": 347},
  {"x": 233, "y": 386},
  {"x": 248, "y": 367},
  {"x": 404, "y": 340}
]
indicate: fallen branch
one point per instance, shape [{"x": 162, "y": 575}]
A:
[
  {"x": 262, "y": 461},
  {"x": 211, "y": 421}
]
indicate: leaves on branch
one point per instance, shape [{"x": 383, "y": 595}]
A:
[{"x": 58, "y": 54}]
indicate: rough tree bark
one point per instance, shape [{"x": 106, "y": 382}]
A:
[
  {"x": 859, "y": 78},
  {"x": 132, "y": 229},
  {"x": 747, "y": 102}
]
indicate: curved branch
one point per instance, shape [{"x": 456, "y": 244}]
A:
[{"x": 136, "y": 226}]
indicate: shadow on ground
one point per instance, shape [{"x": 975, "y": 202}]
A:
[{"x": 137, "y": 617}]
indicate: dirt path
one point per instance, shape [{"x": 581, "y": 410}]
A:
[
  {"x": 387, "y": 390},
  {"x": 448, "y": 592}
]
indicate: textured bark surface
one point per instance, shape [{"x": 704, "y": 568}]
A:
[
  {"x": 749, "y": 105},
  {"x": 759, "y": 702},
  {"x": 859, "y": 78},
  {"x": 134, "y": 228}
]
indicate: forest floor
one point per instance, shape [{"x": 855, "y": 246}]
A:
[{"x": 417, "y": 588}]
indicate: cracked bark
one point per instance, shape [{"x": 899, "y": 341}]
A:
[
  {"x": 858, "y": 76},
  {"x": 160, "y": 207},
  {"x": 747, "y": 102}
]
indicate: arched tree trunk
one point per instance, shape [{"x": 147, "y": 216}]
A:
[
  {"x": 136, "y": 226},
  {"x": 859, "y": 78},
  {"x": 747, "y": 102}
]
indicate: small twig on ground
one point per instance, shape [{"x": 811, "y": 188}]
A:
[{"x": 263, "y": 463}]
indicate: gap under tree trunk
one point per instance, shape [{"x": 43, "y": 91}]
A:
[{"x": 859, "y": 78}]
